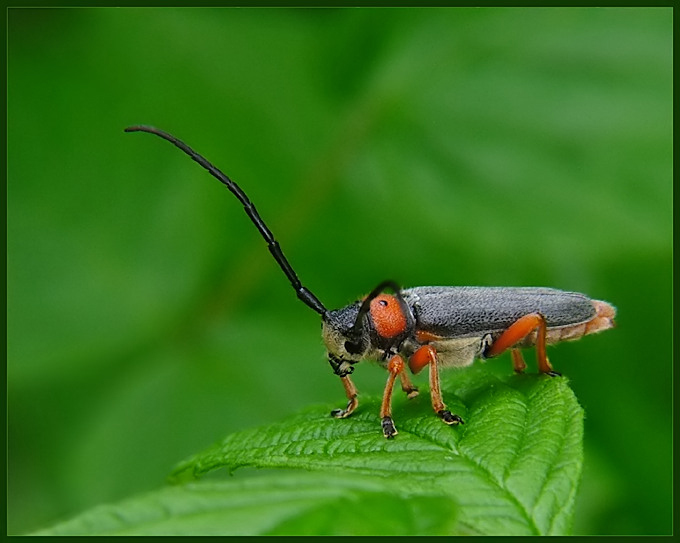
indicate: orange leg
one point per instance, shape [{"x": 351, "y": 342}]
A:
[
  {"x": 352, "y": 402},
  {"x": 407, "y": 386},
  {"x": 395, "y": 367},
  {"x": 427, "y": 355},
  {"x": 519, "y": 330},
  {"x": 518, "y": 362}
]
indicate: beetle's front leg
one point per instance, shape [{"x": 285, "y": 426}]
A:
[
  {"x": 424, "y": 356},
  {"x": 352, "y": 402},
  {"x": 342, "y": 369}
]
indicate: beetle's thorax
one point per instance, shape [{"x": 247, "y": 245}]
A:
[{"x": 380, "y": 333}]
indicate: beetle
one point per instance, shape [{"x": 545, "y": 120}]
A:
[{"x": 434, "y": 327}]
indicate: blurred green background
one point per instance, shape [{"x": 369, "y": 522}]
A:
[{"x": 146, "y": 319}]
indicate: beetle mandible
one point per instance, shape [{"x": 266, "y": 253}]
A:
[{"x": 436, "y": 327}]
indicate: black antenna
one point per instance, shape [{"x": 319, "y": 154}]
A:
[{"x": 302, "y": 292}]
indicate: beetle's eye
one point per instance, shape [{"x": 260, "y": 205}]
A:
[
  {"x": 353, "y": 348},
  {"x": 383, "y": 303}
]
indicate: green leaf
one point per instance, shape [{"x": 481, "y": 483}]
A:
[
  {"x": 513, "y": 468},
  {"x": 289, "y": 504}
]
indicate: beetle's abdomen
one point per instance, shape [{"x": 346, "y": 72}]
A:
[{"x": 467, "y": 311}]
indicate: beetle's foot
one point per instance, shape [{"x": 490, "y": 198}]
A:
[
  {"x": 411, "y": 393},
  {"x": 553, "y": 373},
  {"x": 344, "y": 413},
  {"x": 389, "y": 431},
  {"x": 449, "y": 418}
]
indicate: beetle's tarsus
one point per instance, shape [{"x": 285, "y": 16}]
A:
[
  {"x": 341, "y": 413},
  {"x": 389, "y": 430},
  {"x": 412, "y": 393},
  {"x": 344, "y": 413},
  {"x": 449, "y": 418},
  {"x": 407, "y": 386},
  {"x": 553, "y": 373}
]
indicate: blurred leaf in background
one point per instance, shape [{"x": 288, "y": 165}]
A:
[{"x": 436, "y": 146}]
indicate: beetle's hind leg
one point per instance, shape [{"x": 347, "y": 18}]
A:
[
  {"x": 424, "y": 356},
  {"x": 518, "y": 362},
  {"x": 518, "y": 331},
  {"x": 352, "y": 402}
]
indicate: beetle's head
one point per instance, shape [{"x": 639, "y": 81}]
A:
[
  {"x": 370, "y": 328},
  {"x": 343, "y": 339}
]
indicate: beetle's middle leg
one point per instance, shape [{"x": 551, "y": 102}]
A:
[
  {"x": 515, "y": 333},
  {"x": 424, "y": 356},
  {"x": 407, "y": 386}
]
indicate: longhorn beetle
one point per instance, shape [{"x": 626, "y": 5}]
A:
[{"x": 429, "y": 326}]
